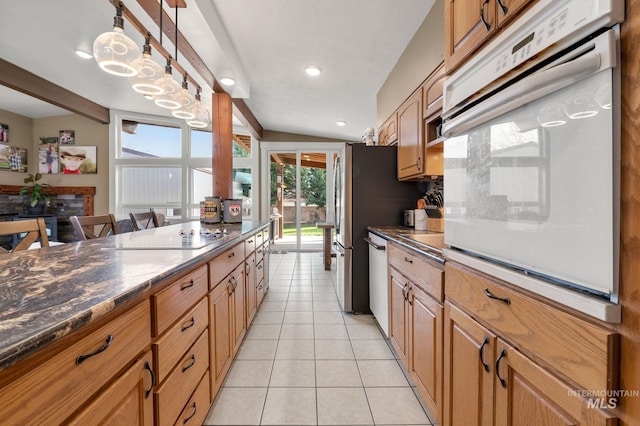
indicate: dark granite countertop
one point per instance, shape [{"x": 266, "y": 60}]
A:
[
  {"x": 426, "y": 243},
  {"x": 47, "y": 293}
]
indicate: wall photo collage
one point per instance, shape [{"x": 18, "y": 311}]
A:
[{"x": 56, "y": 154}]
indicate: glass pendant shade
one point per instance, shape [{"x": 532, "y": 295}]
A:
[
  {"x": 116, "y": 53},
  {"x": 150, "y": 74},
  {"x": 170, "y": 90},
  {"x": 186, "y": 101},
  {"x": 200, "y": 115}
]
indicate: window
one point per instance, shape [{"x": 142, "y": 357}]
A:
[{"x": 163, "y": 164}]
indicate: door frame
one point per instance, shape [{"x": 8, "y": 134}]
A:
[{"x": 267, "y": 148}]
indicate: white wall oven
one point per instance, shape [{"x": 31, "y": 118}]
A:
[{"x": 532, "y": 158}]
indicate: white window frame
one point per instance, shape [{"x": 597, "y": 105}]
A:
[{"x": 185, "y": 162}]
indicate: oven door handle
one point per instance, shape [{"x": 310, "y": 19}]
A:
[{"x": 536, "y": 86}]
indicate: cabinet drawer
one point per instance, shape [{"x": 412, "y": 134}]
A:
[
  {"x": 418, "y": 269},
  {"x": 48, "y": 392},
  {"x": 260, "y": 271},
  {"x": 172, "y": 302},
  {"x": 250, "y": 245},
  {"x": 577, "y": 349},
  {"x": 259, "y": 238},
  {"x": 259, "y": 254},
  {"x": 198, "y": 405},
  {"x": 172, "y": 396},
  {"x": 178, "y": 338},
  {"x": 225, "y": 263}
]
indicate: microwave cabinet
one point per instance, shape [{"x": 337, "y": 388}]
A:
[{"x": 510, "y": 358}]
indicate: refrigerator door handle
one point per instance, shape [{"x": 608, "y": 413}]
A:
[{"x": 342, "y": 248}]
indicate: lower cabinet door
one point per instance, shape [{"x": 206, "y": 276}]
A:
[
  {"x": 469, "y": 357},
  {"x": 527, "y": 394},
  {"x": 426, "y": 348},
  {"x": 398, "y": 315},
  {"x": 220, "y": 334},
  {"x": 127, "y": 401}
]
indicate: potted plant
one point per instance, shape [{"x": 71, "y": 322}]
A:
[{"x": 35, "y": 194}]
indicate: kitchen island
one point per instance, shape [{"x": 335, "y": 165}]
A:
[{"x": 52, "y": 299}]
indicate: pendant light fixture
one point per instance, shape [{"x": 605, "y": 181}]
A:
[
  {"x": 200, "y": 114},
  {"x": 116, "y": 53},
  {"x": 148, "y": 79},
  {"x": 170, "y": 89},
  {"x": 186, "y": 101}
]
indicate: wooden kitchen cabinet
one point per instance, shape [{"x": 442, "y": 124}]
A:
[
  {"x": 220, "y": 319},
  {"x": 469, "y": 352},
  {"x": 508, "y": 9},
  {"x": 410, "y": 137},
  {"x": 127, "y": 401},
  {"x": 388, "y": 132},
  {"x": 251, "y": 287},
  {"x": 487, "y": 379},
  {"x": 48, "y": 388},
  {"x": 469, "y": 24},
  {"x": 415, "y": 321},
  {"x": 425, "y": 328},
  {"x": 398, "y": 314}
]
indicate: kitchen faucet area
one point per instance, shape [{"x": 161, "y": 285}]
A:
[{"x": 294, "y": 212}]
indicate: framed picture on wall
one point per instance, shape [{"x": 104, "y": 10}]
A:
[
  {"x": 67, "y": 137},
  {"x": 48, "y": 161},
  {"x": 76, "y": 160},
  {"x": 5, "y": 152},
  {"x": 4, "y": 132},
  {"x": 18, "y": 159}
]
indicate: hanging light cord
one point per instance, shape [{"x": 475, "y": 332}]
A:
[
  {"x": 176, "y": 55},
  {"x": 161, "y": 1}
]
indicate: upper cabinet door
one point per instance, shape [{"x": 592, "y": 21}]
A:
[
  {"x": 410, "y": 138},
  {"x": 468, "y": 24},
  {"x": 507, "y": 9}
]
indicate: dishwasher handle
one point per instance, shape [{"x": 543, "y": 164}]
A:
[{"x": 374, "y": 245}]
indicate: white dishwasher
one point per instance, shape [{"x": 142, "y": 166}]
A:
[{"x": 378, "y": 284}]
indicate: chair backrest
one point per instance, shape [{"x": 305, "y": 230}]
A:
[
  {"x": 89, "y": 227},
  {"x": 33, "y": 228},
  {"x": 144, "y": 220}
]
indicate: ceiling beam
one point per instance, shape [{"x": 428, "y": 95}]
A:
[
  {"x": 244, "y": 114},
  {"x": 28, "y": 83}
]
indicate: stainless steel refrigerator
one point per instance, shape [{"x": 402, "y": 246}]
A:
[{"x": 367, "y": 193}]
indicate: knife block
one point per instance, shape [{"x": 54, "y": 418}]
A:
[{"x": 436, "y": 224}]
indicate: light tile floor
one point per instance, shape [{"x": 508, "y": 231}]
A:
[{"x": 304, "y": 362}]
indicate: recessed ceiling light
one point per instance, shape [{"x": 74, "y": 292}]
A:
[
  {"x": 312, "y": 70},
  {"x": 83, "y": 54},
  {"x": 228, "y": 81},
  {"x": 341, "y": 123}
]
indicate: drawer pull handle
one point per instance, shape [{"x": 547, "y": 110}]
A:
[
  {"x": 195, "y": 410},
  {"x": 503, "y": 354},
  {"x": 260, "y": 266},
  {"x": 408, "y": 260},
  {"x": 491, "y": 296},
  {"x": 191, "y": 324},
  {"x": 186, "y": 286},
  {"x": 103, "y": 348},
  {"x": 503, "y": 8},
  {"x": 484, "y": 364},
  {"x": 153, "y": 379},
  {"x": 191, "y": 363},
  {"x": 486, "y": 24},
  {"x": 404, "y": 291},
  {"x": 260, "y": 287},
  {"x": 232, "y": 254}
]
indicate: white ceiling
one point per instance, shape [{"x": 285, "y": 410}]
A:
[{"x": 264, "y": 44}]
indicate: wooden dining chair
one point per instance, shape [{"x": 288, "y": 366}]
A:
[
  {"x": 144, "y": 220},
  {"x": 33, "y": 228},
  {"x": 89, "y": 227}
]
